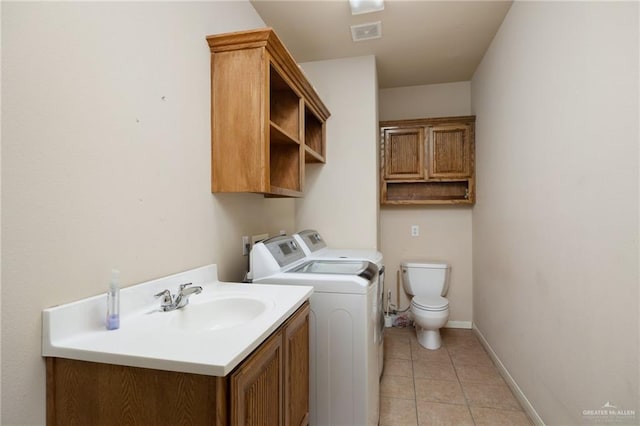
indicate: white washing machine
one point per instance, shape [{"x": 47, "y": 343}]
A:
[
  {"x": 344, "y": 382},
  {"x": 315, "y": 247}
]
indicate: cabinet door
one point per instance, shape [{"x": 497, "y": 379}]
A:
[
  {"x": 404, "y": 153},
  {"x": 256, "y": 387},
  {"x": 449, "y": 151},
  {"x": 296, "y": 369}
]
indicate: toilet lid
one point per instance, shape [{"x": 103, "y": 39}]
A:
[{"x": 430, "y": 303}]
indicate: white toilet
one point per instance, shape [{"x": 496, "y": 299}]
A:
[{"x": 427, "y": 283}]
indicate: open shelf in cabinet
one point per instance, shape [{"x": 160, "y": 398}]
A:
[
  {"x": 284, "y": 106},
  {"x": 285, "y": 170},
  {"x": 435, "y": 192},
  {"x": 314, "y": 139}
]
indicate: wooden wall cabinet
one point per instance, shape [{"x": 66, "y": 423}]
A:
[
  {"x": 266, "y": 118},
  {"x": 270, "y": 387},
  {"x": 404, "y": 153},
  {"x": 428, "y": 161}
]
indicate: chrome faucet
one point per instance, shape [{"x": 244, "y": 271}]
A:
[{"x": 179, "y": 300}]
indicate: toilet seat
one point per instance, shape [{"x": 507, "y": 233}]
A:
[{"x": 430, "y": 303}]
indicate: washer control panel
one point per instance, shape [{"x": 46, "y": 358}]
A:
[
  {"x": 284, "y": 249},
  {"x": 312, "y": 239}
]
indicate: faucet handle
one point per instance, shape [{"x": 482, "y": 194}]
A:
[
  {"x": 166, "y": 296},
  {"x": 183, "y": 286}
]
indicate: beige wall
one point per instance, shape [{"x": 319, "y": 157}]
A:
[
  {"x": 555, "y": 228},
  {"x": 445, "y": 232},
  {"x": 106, "y": 163},
  {"x": 432, "y": 100},
  {"x": 341, "y": 196}
]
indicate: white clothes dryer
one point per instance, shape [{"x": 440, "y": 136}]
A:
[
  {"x": 315, "y": 247},
  {"x": 344, "y": 382}
]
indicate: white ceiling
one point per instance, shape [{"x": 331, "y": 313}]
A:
[{"x": 423, "y": 41}]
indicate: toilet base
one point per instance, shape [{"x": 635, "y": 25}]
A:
[{"x": 429, "y": 339}]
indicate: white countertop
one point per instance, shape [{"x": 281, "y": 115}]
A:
[{"x": 149, "y": 338}]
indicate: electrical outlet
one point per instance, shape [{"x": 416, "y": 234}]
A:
[
  {"x": 258, "y": 238},
  {"x": 245, "y": 245},
  {"x": 415, "y": 231}
]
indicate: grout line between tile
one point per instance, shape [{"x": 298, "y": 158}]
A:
[
  {"x": 464, "y": 395},
  {"x": 413, "y": 376}
]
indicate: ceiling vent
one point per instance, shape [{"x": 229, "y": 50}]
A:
[{"x": 368, "y": 31}]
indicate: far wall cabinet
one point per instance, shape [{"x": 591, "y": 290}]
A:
[
  {"x": 404, "y": 153},
  {"x": 428, "y": 161},
  {"x": 267, "y": 120}
]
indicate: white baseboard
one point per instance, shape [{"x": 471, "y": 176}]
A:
[
  {"x": 526, "y": 405},
  {"x": 459, "y": 324}
]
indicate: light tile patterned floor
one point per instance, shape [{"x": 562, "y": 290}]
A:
[{"x": 454, "y": 385}]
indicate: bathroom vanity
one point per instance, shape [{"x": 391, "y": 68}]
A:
[{"x": 248, "y": 366}]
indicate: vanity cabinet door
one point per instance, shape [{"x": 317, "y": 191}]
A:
[
  {"x": 296, "y": 369},
  {"x": 256, "y": 387},
  {"x": 272, "y": 386}
]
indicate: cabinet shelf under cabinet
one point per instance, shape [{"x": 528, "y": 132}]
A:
[{"x": 434, "y": 192}]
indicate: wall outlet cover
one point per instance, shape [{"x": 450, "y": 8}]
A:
[{"x": 245, "y": 245}]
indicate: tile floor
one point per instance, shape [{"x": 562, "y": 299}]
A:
[{"x": 457, "y": 384}]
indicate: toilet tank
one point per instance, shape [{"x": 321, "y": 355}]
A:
[{"x": 423, "y": 278}]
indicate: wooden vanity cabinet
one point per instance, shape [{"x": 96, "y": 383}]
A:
[
  {"x": 256, "y": 387},
  {"x": 428, "y": 161},
  {"x": 295, "y": 338},
  {"x": 266, "y": 118},
  {"x": 270, "y": 387}
]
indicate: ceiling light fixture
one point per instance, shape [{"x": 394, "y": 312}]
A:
[{"x": 358, "y": 7}]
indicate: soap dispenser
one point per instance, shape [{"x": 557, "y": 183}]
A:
[{"x": 113, "y": 301}]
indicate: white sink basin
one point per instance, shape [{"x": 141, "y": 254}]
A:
[
  {"x": 219, "y": 313},
  {"x": 211, "y": 335}
]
